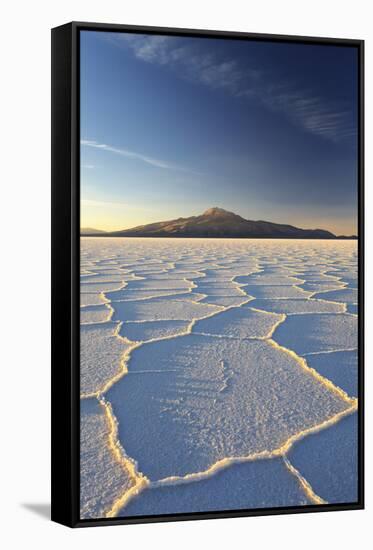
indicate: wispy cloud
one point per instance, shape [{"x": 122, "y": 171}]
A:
[
  {"x": 303, "y": 107},
  {"x": 126, "y": 153},
  {"x": 188, "y": 61},
  {"x": 137, "y": 156},
  {"x": 312, "y": 112}
]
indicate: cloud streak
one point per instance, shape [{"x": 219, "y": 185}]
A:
[
  {"x": 188, "y": 61},
  {"x": 304, "y": 108},
  {"x": 127, "y": 153},
  {"x": 313, "y": 113}
]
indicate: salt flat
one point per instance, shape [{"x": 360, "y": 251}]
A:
[
  {"x": 214, "y": 371},
  {"x": 328, "y": 460},
  {"x": 103, "y": 478},
  {"x": 202, "y": 399},
  {"x": 261, "y": 483},
  {"x": 101, "y": 353}
]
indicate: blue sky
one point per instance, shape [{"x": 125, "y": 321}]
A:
[{"x": 171, "y": 126}]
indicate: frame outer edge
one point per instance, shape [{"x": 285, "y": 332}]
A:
[
  {"x": 361, "y": 272},
  {"x": 62, "y": 368},
  {"x": 65, "y": 272}
]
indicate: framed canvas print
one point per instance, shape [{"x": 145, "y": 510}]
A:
[{"x": 207, "y": 277}]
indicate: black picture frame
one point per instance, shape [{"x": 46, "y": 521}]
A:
[{"x": 65, "y": 272}]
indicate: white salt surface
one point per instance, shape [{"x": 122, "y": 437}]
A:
[
  {"x": 226, "y": 301},
  {"x": 219, "y": 289},
  {"x": 270, "y": 280},
  {"x": 202, "y": 399},
  {"x": 159, "y": 284},
  {"x": 165, "y": 308},
  {"x": 341, "y": 367},
  {"x": 127, "y": 294},
  {"x": 94, "y": 314},
  {"x": 314, "y": 333},
  {"x": 99, "y": 287},
  {"x": 101, "y": 352},
  {"x": 92, "y": 299},
  {"x": 149, "y": 330},
  {"x": 257, "y": 484},
  {"x": 345, "y": 295},
  {"x": 201, "y": 366},
  {"x": 317, "y": 287},
  {"x": 102, "y": 277},
  {"x": 292, "y": 306},
  {"x": 328, "y": 460},
  {"x": 244, "y": 322},
  {"x": 276, "y": 291},
  {"x": 102, "y": 478}
]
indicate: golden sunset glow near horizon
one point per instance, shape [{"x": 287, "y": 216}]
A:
[{"x": 111, "y": 216}]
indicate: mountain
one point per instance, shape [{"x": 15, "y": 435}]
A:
[
  {"x": 90, "y": 231},
  {"x": 217, "y": 222}
]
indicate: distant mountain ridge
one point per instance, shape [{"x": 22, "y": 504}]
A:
[
  {"x": 218, "y": 223},
  {"x": 91, "y": 231}
]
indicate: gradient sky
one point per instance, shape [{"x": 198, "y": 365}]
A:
[{"x": 171, "y": 126}]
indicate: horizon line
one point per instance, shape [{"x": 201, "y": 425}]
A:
[{"x": 93, "y": 230}]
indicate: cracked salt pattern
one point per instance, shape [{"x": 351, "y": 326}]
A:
[
  {"x": 213, "y": 364},
  {"x": 192, "y": 416},
  {"x": 103, "y": 479}
]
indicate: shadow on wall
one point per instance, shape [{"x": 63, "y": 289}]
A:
[{"x": 40, "y": 509}]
